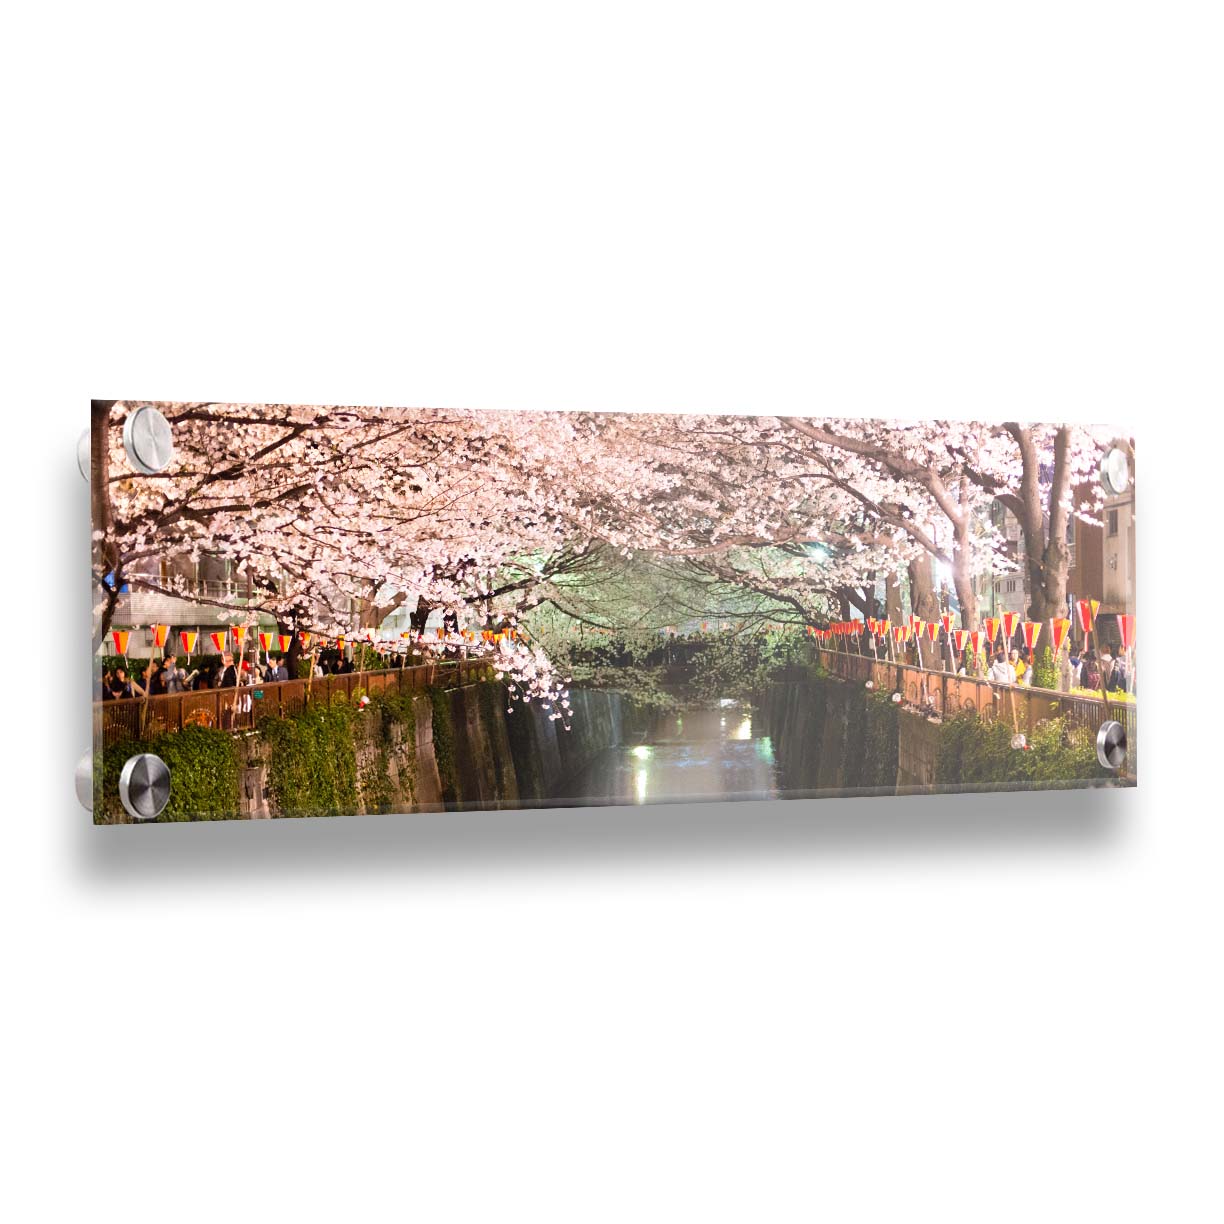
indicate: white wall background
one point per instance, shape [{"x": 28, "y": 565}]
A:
[{"x": 973, "y": 1009}]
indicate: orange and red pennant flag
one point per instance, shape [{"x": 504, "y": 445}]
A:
[
  {"x": 265, "y": 642},
  {"x": 1086, "y": 610},
  {"x": 975, "y": 640},
  {"x": 1059, "y": 628},
  {"x": 946, "y": 621},
  {"x": 218, "y": 641},
  {"x": 932, "y": 630},
  {"x": 959, "y": 636},
  {"x": 238, "y": 633},
  {"x": 188, "y": 638},
  {"x": 121, "y": 637},
  {"x": 1126, "y": 630},
  {"x": 305, "y": 639},
  {"x": 284, "y": 639},
  {"x": 1032, "y": 631},
  {"x": 992, "y": 628},
  {"x": 1009, "y": 625},
  {"x": 160, "y": 633}
]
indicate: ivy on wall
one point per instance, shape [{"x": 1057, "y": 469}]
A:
[
  {"x": 880, "y": 742},
  {"x": 312, "y": 763},
  {"x": 444, "y": 743},
  {"x": 386, "y": 726}
]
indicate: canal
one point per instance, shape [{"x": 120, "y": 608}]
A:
[{"x": 691, "y": 754}]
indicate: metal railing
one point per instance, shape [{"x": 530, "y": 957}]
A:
[
  {"x": 947, "y": 695},
  {"x": 239, "y": 709}
]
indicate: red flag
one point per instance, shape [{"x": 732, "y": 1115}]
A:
[
  {"x": 959, "y": 636},
  {"x": 932, "y": 630},
  {"x": 218, "y": 641},
  {"x": 919, "y": 626},
  {"x": 160, "y": 633},
  {"x": 265, "y": 642},
  {"x": 305, "y": 638},
  {"x": 1032, "y": 631},
  {"x": 975, "y": 640},
  {"x": 238, "y": 633},
  {"x": 992, "y": 629},
  {"x": 1009, "y": 625},
  {"x": 946, "y": 618},
  {"x": 1059, "y": 627},
  {"x": 1126, "y": 628},
  {"x": 283, "y": 639},
  {"x": 120, "y": 637},
  {"x": 188, "y": 638}
]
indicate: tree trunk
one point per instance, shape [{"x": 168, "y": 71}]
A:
[
  {"x": 923, "y": 601},
  {"x": 962, "y": 574},
  {"x": 892, "y": 599},
  {"x": 105, "y": 554}
]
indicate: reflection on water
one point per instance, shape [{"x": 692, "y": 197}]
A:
[{"x": 695, "y": 754}]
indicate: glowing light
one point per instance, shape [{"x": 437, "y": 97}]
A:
[
  {"x": 642, "y": 752},
  {"x": 640, "y": 779},
  {"x": 743, "y": 731}
]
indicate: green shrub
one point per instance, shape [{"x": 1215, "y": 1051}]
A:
[
  {"x": 978, "y": 753},
  {"x": 203, "y": 764},
  {"x": 1045, "y": 673}
]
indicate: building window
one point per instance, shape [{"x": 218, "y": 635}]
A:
[{"x": 1113, "y": 522}]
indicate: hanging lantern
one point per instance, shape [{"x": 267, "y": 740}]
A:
[
  {"x": 932, "y": 630},
  {"x": 1126, "y": 629},
  {"x": 218, "y": 641},
  {"x": 946, "y": 621},
  {"x": 265, "y": 642},
  {"x": 1032, "y": 631},
  {"x": 120, "y": 637},
  {"x": 340, "y": 642},
  {"x": 1086, "y": 610},
  {"x": 959, "y": 636},
  {"x": 975, "y": 640},
  {"x": 1059, "y": 628},
  {"x": 992, "y": 628},
  {"x": 238, "y": 633},
  {"x": 160, "y": 633},
  {"x": 304, "y": 638},
  {"x": 1009, "y": 625},
  {"x": 919, "y": 626},
  {"x": 188, "y": 639},
  {"x": 283, "y": 639}
]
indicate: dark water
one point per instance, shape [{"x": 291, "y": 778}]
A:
[{"x": 696, "y": 754}]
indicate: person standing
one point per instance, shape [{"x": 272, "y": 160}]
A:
[{"x": 1001, "y": 671}]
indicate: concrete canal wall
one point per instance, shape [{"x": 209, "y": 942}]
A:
[
  {"x": 458, "y": 748},
  {"x": 837, "y": 737}
]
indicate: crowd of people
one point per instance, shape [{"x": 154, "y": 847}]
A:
[
  {"x": 1088, "y": 667},
  {"x": 162, "y": 676},
  {"x": 159, "y": 677}
]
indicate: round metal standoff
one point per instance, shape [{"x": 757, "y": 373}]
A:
[
  {"x": 147, "y": 440},
  {"x": 1115, "y": 471},
  {"x": 83, "y": 456},
  {"x": 1111, "y": 745},
  {"x": 83, "y": 776},
  {"x": 144, "y": 786}
]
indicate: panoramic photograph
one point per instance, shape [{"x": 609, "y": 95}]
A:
[{"x": 304, "y": 611}]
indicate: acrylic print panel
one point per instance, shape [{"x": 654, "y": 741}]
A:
[{"x": 317, "y": 610}]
